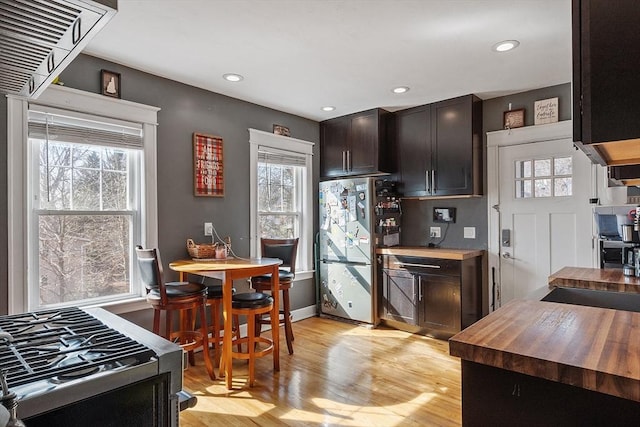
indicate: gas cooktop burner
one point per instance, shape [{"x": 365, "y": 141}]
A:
[{"x": 56, "y": 346}]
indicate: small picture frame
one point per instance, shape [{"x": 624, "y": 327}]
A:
[
  {"x": 281, "y": 130},
  {"x": 513, "y": 119},
  {"x": 545, "y": 111},
  {"x": 110, "y": 83}
]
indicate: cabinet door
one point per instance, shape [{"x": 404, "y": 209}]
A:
[
  {"x": 399, "y": 296},
  {"x": 413, "y": 139},
  {"x": 606, "y": 59},
  {"x": 452, "y": 148},
  {"x": 440, "y": 302},
  {"x": 334, "y": 135},
  {"x": 362, "y": 154}
]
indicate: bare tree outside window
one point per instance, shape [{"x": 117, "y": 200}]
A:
[
  {"x": 278, "y": 200},
  {"x": 84, "y": 222}
]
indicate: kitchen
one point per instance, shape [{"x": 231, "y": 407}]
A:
[{"x": 185, "y": 108}]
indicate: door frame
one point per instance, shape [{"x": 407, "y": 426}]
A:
[{"x": 504, "y": 138}]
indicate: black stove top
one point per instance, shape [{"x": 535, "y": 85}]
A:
[{"x": 44, "y": 349}]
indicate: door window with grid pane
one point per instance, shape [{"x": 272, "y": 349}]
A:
[
  {"x": 84, "y": 215},
  {"x": 550, "y": 177}
]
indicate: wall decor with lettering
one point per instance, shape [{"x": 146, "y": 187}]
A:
[
  {"x": 208, "y": 171},
  {"x": 545, "y": 111}
]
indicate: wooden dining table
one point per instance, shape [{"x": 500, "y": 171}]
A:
[{"x": 228, "y": 270}]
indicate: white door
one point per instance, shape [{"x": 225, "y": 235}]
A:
[{"x": 545, "y": 216}]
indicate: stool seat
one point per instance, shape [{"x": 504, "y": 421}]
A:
[
  {"x": 283, "y": 275},
  {"x": 250, "y": 300},
  {"x": 215, "y": 291},
  {"x": 179, "y": 289}
]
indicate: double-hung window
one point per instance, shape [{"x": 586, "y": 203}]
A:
[
  {"x": 281, "y": 201},
  {"x": 84, "y": 211}
]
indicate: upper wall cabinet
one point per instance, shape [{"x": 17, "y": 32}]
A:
[
  {"x": 355, "y": 145},
  {"x": 606, "y": 84},
  {"x": 439, "y": 148}
]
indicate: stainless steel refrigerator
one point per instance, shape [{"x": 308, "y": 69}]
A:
[{"x": 346, "y": 249}]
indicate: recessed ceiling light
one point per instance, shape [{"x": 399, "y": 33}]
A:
[
  {"x": 328, "y": 108},
  {"x": 505, "y": 45},
  {"x": 232, "y": 77},
  {"x": 400, "y": 89}
]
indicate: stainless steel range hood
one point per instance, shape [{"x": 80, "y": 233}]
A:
[{"x": 39, "y": 38}]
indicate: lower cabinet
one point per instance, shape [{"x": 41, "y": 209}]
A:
[
  {"x": 433, "y": 296},
  {"x": 498, "y": 397}
]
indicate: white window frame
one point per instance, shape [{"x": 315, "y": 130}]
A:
[
  {"x": 18, "y": 181},
  {"x": 268, "y": 140}
]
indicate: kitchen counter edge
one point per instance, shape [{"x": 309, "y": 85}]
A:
[{"x": 441, "y": 253}]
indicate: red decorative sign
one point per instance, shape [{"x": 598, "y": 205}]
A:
[{"x": 208, "y": 178}]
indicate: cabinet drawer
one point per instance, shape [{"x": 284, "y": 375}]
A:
[{"x": 447, "y": 267}]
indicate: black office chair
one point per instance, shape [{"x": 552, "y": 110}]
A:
[
  {"x": 286, "y": 250},
  {"x": 170, "y": 297}
]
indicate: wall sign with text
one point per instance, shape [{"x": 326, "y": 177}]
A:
[{"x": 208, "y": 171}]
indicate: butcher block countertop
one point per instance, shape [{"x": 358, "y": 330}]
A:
[
  {"x": 602, "y": 279},
  {"x": 593, "y": 348},
  {"x": 457, "y": 254}
]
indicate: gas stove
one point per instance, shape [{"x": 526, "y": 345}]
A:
[{"x": 55, "y": 359}]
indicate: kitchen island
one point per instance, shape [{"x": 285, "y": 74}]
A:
[
  {"x": 603, "y": 279},
  {"x": 545, "y": 363}
]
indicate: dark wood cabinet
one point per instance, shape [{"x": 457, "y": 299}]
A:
[
  {"x": 430, "y": 294},
  {"x": 606, "y": 59},
  {"x": 534, "y": 401},
  {"x": 440, "y": 148},
  {"x": 356, "y": 144}
]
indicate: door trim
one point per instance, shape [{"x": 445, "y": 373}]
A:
[{"x": 495, "y": 140}]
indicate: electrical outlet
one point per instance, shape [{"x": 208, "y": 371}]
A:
[
  {"x": 208, "y": 228},
  {"x": 469, "y": 232},
  {"x": 434, "y": 232}
]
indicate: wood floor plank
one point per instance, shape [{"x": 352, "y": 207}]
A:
[{"x": 340, "y": 375}]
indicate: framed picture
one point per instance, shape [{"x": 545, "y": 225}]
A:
[
  {"x": 110, "y": 83},
  {"x": 513, "y": 119},
  {"x": 281, "y": 130},
  {"x": 208, "y": 170},
  {"x": 545, "y": 111}
]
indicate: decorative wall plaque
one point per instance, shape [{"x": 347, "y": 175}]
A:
[{"x": 208, "y": 171}]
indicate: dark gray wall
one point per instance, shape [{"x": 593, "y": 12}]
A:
[
  {"x": 185, "y": 110},
  {"x": 417, "y": 214}
]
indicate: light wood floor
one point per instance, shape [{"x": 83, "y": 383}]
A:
[{"x": 340, "y": 375}]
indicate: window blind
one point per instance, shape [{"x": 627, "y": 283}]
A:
[
  {"x": 68, "y": 126},
  {"x": 281, "y": 157}
]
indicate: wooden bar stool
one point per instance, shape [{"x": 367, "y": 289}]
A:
[
  {"x": 171, "y": 297},
  {"x": 251, "y": 305},
  {"x": 286, "y": 250}
]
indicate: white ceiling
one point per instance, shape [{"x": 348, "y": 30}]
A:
[{"x": 300, "y": 55}]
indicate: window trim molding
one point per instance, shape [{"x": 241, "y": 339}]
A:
[
  {"x": 261, "y": 138},
  {"x": 17, "y": 132}
]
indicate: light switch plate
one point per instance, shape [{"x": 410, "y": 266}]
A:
[{"x": 469, "y": 232}]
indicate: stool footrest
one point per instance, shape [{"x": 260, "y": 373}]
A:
[{"x": 260, "y": 353}]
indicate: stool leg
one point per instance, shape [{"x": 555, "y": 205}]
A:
[
  {"x": 167, "y": 324},
  {"x": 236, "y": 320},
  {"x": 251, "y": 333},
  {"x": 205, "y": 341},
  {"x": 215, "y": 333},
  {"x": 188, "y": 322},
  {"x": 288, "y": 331},
  {"x": 156, "y": 322}
]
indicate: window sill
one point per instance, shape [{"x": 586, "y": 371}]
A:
[
  {"x": 304, "y": 275},
  {"x": 124, "y": 306}
]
